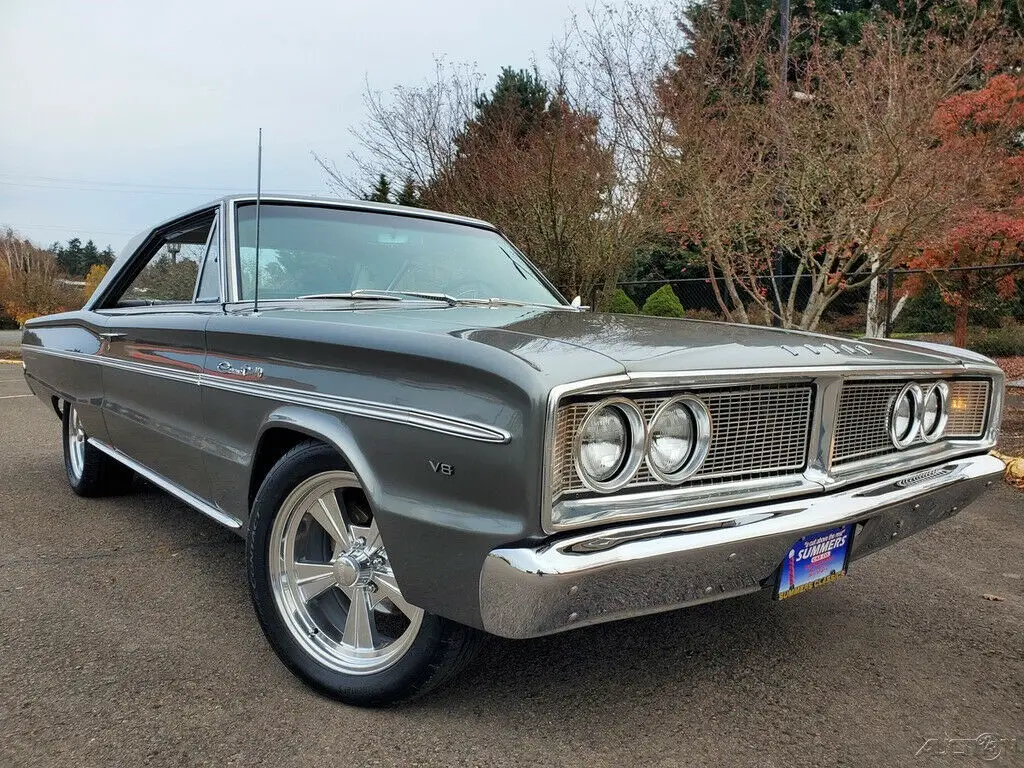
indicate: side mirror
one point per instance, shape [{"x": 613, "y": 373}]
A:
[{"x": 577, "y": 302}]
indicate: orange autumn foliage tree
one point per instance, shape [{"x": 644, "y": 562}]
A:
[
  {"x": 30, "y": 281},
  {"x": 987, "y": 228},
  {"x": 96, "y": 273}
]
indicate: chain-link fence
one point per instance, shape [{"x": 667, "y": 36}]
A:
[{"x": 909, "y": 303}]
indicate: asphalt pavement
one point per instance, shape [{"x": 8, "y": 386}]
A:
[
  {"x": 127, "y": 639},
  {"x": 10, "y": 344}
]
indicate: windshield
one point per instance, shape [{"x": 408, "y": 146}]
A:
[{"x": 309, "y": 250}]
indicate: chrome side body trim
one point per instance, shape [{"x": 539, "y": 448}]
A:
[
  {"x": 573, "y": 513},
  {"x": 427, "y": 420},
  {"x": 144, "y": 368},
  {"x": 628, "y": 571},
  {"x": 433, "y": 422},
  {"x": 180, "y": 493}
]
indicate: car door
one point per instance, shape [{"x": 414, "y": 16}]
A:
[{"x": 155, "y": 329}]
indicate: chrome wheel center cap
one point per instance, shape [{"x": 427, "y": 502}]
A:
[{"x": 352, "y": 570}]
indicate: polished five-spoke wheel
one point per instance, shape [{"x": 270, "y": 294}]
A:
[
  {"x": 332, "y": 580},
  {"x": 326, "y": 594},
  {"x": 74, "y": 433}
]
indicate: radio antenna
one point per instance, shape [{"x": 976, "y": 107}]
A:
[{"x": 259, "y": 190}]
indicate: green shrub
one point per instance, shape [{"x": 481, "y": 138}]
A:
[
  {"x": 663, "y": 303},
  {"x": 1003, "y": 342},
  {"x": 622, "y": 304}
]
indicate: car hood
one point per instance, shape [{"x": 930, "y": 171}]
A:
[{"x": 559, "y": 339}]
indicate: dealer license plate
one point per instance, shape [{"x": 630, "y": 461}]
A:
[{"x": 815, "y": 560}]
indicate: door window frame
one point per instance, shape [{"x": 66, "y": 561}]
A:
[
  {"x": 213, "y": 237},
  {"x": 141, "y": 256}
]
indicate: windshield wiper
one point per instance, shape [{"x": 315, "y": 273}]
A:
[
  {"x": 351, "y": 295},
  {"x": 374, "y": 294}
]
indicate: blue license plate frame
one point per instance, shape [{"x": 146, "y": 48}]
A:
[{"x": 815, "y": 560}]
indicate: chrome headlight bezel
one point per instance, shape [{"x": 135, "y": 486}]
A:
[
  {"x": 700, "y": 418},
  {"x": 634, "y": 445},
  {"x": 912, "y": 394},
  {"x": 941, "y": 390}
]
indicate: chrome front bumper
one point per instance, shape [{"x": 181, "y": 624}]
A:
[{"x": 644, "y": 568}]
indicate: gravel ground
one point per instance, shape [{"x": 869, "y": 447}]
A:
[{"x": 127, "y": 639}]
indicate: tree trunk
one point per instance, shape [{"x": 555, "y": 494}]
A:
[
  {"x": 960, "y": 324},
  {"x": 873, "y": 328}
]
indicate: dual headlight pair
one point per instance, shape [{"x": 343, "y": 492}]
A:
[
  {"x": 918, "y": 410},
  {"x": 614, "y": 439}
]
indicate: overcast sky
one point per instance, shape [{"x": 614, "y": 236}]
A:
[{"x": 117, "y": 114}]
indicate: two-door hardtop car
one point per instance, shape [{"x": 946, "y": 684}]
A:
[{"x": 421, "y": 439}]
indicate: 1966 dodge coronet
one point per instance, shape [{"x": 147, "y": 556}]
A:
[{"x": 420, "y": 438}]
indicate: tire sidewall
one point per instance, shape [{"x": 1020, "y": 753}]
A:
[{"x": 398, "y": 681}]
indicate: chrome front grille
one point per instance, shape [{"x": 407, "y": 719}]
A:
[
  {"x": 756, "y": 431},
  {"x": 862, "y": 420}
]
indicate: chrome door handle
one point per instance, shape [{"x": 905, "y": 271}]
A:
[{"x": 112, "y": 336}]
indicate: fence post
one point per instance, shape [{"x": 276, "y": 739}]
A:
[{"x": 888, "y": 301}]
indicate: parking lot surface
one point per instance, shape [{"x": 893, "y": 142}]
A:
[{"x": 127, "y": 639}]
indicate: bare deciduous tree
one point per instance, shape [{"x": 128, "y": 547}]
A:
[
  {"x": 833, "y": 186},
  {"x": 30, "y": 281},
  {"x": 546, "y": 178},
  {"x": 410, "y": 131}
]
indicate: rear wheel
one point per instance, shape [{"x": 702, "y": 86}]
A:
[
  {"x": 326, "y": 595},
  {"x": 90, "y": 471}
]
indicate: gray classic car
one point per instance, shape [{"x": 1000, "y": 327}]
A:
[{"x": 420, "y": 439}]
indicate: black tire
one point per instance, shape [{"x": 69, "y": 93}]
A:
[
  {"x": 441, "y": 647},
  {"x": 96, "y": 474}
]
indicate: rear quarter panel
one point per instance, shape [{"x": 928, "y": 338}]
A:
[{"x": 59, "y": 352}]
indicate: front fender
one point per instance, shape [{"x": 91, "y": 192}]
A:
[{"x": 438, "y": 537}]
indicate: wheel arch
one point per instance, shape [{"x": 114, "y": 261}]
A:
[{"x": 288, "y": 426}]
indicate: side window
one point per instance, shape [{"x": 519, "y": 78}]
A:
[
  {"x": 169, "y": 275},
  {"x": 209, "y": 283}
]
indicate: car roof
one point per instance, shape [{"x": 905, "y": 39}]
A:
[{"x": 329, "y": 202}]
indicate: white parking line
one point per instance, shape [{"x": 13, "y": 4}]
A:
[{"x": 11, "y": 397}]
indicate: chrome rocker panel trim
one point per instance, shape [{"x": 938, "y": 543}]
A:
[
  {"x": 638, "y": 569},
  {"x": 164, "y": 484}
]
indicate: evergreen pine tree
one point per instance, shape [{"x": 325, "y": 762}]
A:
[
  {"x": 408, "y": 195},
  {"x": 90, "y": 255},
  {"x": 68, "y": 258},
  {"x": 381, "y": 192}
]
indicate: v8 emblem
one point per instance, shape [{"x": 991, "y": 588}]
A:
[{"x": 440, "y": 468}]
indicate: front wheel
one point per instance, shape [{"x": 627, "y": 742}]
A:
[{"x": 325, "y": 593}]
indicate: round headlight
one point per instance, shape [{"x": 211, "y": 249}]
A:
[
  {"x": 678, "y": 438},
  {"x": 609, "y": 444},
  {"x": 905, "y": 417},
  {"x": 603, "y": 443},
  {"x": 935, "y": 412}
]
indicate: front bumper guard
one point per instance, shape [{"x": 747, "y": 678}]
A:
[{"x": 645, "y": 568}]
